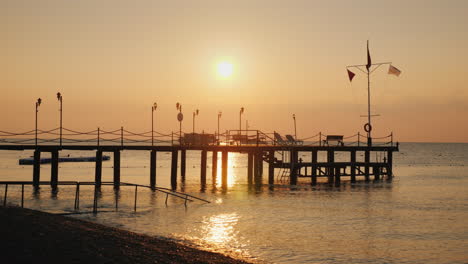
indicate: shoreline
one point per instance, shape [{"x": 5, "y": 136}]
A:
[{"x": 30, "y": 236}]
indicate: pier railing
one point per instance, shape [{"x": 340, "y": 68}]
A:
[{"x": 123, "y": 137}]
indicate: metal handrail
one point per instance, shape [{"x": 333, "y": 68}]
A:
[{"x": 78, "y": 184}]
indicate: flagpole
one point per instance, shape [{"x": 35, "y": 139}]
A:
[{"x": 369, "y": 138}]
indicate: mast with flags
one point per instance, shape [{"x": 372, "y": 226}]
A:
[{"x": 391, "y": 70}]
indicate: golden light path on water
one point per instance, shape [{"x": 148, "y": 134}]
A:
[
  {"x": 220, "y": 232},
  {"x": 233, "y": 162}
]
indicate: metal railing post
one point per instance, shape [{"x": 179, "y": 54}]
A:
[
  {"x": 121, "y": 136},
  {"x": 136, "y": 191},
  {"x": 5, "y": 197}
]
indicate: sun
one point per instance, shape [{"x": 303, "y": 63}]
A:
[{"x": 225, "y": 69}]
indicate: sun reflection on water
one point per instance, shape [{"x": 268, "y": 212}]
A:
[
  {"x": 220, "y": 229},
  {"x": 233, "y": 162}
]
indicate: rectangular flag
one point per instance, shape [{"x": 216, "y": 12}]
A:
[
  {"x": 393, "y": 70},
  {"x": 369, "y": 62},
  {"x": 350, "y": 75}
]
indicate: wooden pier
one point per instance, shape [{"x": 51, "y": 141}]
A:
[{"x": 284, "y": 158}]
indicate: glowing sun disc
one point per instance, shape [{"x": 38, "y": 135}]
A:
[{"x": 225, "y": 69}]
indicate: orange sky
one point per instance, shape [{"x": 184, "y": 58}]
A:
[{"x": 112, "y": 59}]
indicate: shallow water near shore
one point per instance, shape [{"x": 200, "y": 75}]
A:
[{"x": 419, "y": 217}]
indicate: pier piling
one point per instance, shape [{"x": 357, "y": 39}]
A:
[
  {"x": 224, "y": 169},
  {"x": 175, "y": 154},
  {"x": 183, "y": 163},
  {"x": 153, "y": 156},
  {"x": 389, "y": 165},
  {"x": 337, "y": 176},
  {"x": 353, "y": 166},
  {"x": 330, "y": 168},
  {"x": 116, "y": 169},
  {"x": 366, "y": 166},
  {"x": 257, "y": 171},
  {"x": 214, "y": 168},
  {"x": 271, "y": 168},
  {"x": 37, "y": 168},
  {"x": 250, "y": 161},
  {"x": 54, "y": 169},
  {"x": 313, "y": 172},
  {"x": 293, "y": 169},
  {"x": 203, "y": 169},
  {"x": 98, "y": 169}
]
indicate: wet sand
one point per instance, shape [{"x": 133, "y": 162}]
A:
[{"x": 29, "y": 236}]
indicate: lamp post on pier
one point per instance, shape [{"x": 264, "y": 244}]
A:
[
  {"x": 295, "y": 130},
  {"x": 195, "y": 113},
  {"x": 240, "y": 124},
  {"x": 59, "y": 98},
  {"x": 38, "y": 103},
  {"x": 219, "y": 117},
  {"x": 240, "y": 119},
  {"x": 180, "y": 117},
  {"x": 153, "y": 108}
]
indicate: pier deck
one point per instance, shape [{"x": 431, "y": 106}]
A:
[{"x": 271, "y": 154}]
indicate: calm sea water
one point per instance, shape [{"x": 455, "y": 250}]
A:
[{"x": 420, "y": 217}]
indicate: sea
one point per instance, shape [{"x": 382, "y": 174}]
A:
[{"x": 421, "y": 216}]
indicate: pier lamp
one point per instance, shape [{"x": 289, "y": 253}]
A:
[
  {"x": 219, "y": 116},
  {"x": 240, "y": 124},
  {"x": 240, "y": 119},
  {"x": 195, "y": 113},
  {"x": 295, "y": 130},
  {"x": 153, "y": 108},
  {"x": 180, "y": 117},
  {"x": 59, "y": 98},
  {"x": 38, "y": 103}
]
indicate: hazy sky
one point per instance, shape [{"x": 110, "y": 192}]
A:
[{"x": 112, "y": 59}]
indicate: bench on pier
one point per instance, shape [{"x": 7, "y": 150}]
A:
[{"x": 336, "y": 138}]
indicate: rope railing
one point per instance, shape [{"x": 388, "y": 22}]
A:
[{"x": 123, "y": 136}]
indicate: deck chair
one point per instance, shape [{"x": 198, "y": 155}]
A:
[
  {"x": 279, "y": 139},
  {"x": 292, "y": 141}
]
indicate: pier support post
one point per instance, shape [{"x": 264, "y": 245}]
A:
[
  {"x": 293, "y": 176},
  {"x": 203, "y": 170},
  {"x": 337, "y": 176},
  {"x": 389, "y": 165},
  {"x": 174, "y": 158},
  {"x": 250, "y": 163},
  {"x": 366, "y": 165},
  {"x": 116, "y": 169},
  {"x": 271, "y": 167},
  {"x": 37, "y": 168},
  {"x": 153, "y": 157},
  {"x": 260, "y": 163},
  {"x": 314, "y": 167},
  {"x": 214, "y": 168},
  {"x": 224, "y": 169},
  {"x": 353, "y": 166},
  {"x": 98, "y": 169},
  {"x": 257, "y": 169},
  {"x": 183, "y": 163},
  {"x": 330, "y": 167},
  {"x": 54, "y": 169},
  {"x": 376, "y": 171}
]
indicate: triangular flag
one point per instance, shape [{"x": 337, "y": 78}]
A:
[
  {"x": 393, "y": 70},
  {"x": 350, "y": 75},
  {"x": 369, "y": 62}
]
